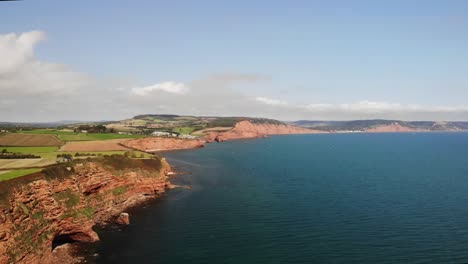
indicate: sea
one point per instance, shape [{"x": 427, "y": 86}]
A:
[{"x": 321, "y": 198}]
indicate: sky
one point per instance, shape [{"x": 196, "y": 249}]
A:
[{"x": 287, "y": 60}]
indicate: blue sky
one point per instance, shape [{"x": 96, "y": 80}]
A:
[{"x": 394, "y": 59}]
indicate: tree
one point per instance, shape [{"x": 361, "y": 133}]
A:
[
  {"x": 68, "y": 157},
  {"x": 100, "y": 128}
]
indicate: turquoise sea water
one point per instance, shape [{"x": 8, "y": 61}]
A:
[{"x": 343, "y": 198}]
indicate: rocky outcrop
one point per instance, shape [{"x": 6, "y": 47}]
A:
[
  {"x": 247, "y": 129},
  {"x": 395, "y": 127},
  {"x": 123, "y": 219},
  {"x": 54, "y": 208},
  {"x": 152, "y": 144}
]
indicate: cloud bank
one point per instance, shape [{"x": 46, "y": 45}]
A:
[
  {"x": 34, "y": 90},
  {"x": 169, "y": 87},
  {"x": 22, "y": 75},
  {"x": 270, "y": 101}
]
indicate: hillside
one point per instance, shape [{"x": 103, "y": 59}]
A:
[
  {"x": 382, "y": 125},
  {"x": 185, "y": 125}
]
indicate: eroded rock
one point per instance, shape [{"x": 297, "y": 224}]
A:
[
  {"x": 41, "y": 215},
  {"x": 123, "y": 219}
]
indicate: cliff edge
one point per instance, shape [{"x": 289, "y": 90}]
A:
[
  {"x": 63, "y": 203},
  {"x": 153, "y": 144},
  {"x": 247, "y": 129}
]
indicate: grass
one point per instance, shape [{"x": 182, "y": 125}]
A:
[
  {"x": 119, "y": 190},
  {"x": 53, "y": 155},
  {"x": 44, "y": 152},
  {"x": 30, "y": 150},
  {"x": 68, "y": 135},
  {"x": 46, "y": 131},
  {"x": 94, "y": 136},
  {"x": 70, "y": 198},
  {"x": 140, "y": 122},
  {"x": 103, "y": 153},
  {"x": 20, "y": 167},
  {"x": 49, "y": 156},
  {"x": 184, "y": 130},
  {"x": 24, "y": 163},
  {"x": 17, "y": 173}
]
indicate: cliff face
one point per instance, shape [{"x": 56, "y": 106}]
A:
[
  {"x": 48, "y": 211},
  {"x": 160, "y": 143},
  {"x": 246, "y": 129}
]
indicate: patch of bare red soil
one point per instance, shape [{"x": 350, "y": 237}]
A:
[{"x": 153, "y": 144}]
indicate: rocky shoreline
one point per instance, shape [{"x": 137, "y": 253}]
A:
[{"x": 62, "y": 206}]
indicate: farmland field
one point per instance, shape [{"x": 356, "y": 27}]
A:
[
  {"x": 46, "y": 146},
  {"x": 30, "y": 150},
  {"x": 16, "y": 173},
  {"x": 24, "y": 163},
  {"x": 184, "y": 130},
  {"x": 49, "y": 155},
  {"x": 29, "y": 140},
  {"x": 47, "y": 131},
  {"x": 100, "y": 145},
  {"x": 43, "y": 152},
  {"x": 94, "y": 136}
]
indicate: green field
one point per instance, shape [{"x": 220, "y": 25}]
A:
[
  {"x": 45, "y": 143},
  {"x": 68, "y": 135},
  {"x": 94, "y": 136},
  {"x": 30, "y": 149},
  {"x": 49, "y": 156},
  {"x": 52, "y": 152},
  {"x": 184, "y": 130},
  {"x": 47, "y": 131},
  {"x": 44, "y": 152},
  {"x": 16, "y": 173}
]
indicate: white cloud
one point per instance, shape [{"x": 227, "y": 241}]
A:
[
  {"x": 169, "y": 87},
  {"x": 22, "y": 75},
  {"x": 270, "y": 101},
  {"x": 17, "y": 50},
  {"x": 370, "y": 106}
]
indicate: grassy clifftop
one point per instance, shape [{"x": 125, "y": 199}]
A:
[{"x": 115, "y": 163}]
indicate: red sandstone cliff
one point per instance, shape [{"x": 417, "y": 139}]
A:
[
  {"x": 47, "y": 209},
  {"x": 243, "y": 129},
  {"x": 152, "y": 144},
  {"x": 247, "y": 129}
]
